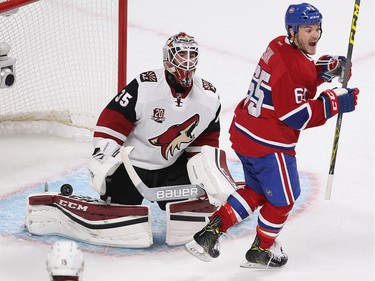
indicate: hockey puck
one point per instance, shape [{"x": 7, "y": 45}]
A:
[{"x": 66, "y": 189}]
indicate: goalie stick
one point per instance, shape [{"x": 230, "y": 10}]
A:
[
  {"x": 353, "y": 28},
  {"x": 163, "y": 193}
]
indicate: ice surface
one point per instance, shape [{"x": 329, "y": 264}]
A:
[{"x": 325, "y": 240}]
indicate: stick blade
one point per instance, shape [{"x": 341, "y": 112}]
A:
[{"x": 329, "y": 187}]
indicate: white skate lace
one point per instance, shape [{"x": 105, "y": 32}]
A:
[{"x": 274, "y": 256}]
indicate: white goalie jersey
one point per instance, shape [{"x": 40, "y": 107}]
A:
[{"x": 159, "y": 122}]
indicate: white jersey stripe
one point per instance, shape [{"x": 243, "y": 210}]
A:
[
  {"x": 284, "y": 145},
  {"x": 288, "y": 192},
  {"x": 266, "y": 222}
]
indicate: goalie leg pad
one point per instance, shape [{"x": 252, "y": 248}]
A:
[
  {"x": 209, "y": 169},
  {"x": 88, "y": 220},
  {"x": 185, "y": 218}
]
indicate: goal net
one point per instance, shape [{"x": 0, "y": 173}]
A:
[{"x": 69, "y": 58}]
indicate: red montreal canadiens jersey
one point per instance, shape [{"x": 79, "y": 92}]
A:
[
  {"x": 159, "y": 122},
  {"x": 279, "y": 103}
]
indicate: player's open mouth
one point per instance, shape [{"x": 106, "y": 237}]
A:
[{"x": 312, "y": 44}]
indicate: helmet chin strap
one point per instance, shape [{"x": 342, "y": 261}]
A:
[
  {"x": 292, "y": 34},
  {"x": 291, "y": 42}
]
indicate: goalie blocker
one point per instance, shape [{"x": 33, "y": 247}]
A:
[{"x": 96, "y": 222}]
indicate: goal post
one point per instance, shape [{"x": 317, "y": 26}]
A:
[
  {"x": 70, "y": 58},
  {"x": 7, "y": 5}
]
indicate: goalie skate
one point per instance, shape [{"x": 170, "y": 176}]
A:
[{"x": 197, "y": 251}]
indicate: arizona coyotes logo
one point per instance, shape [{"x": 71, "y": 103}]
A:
[{"x": 177, "y": 134}]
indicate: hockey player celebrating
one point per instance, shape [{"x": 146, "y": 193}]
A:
[
  {"x": 279, "y": 104},
  {"x": 65, "y": 261}
]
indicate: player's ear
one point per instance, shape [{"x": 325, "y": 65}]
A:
[{"x": 291, "y": 32}]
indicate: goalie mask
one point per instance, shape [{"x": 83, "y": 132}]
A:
[
  {"x": 65, "y": 261},
  {"x": 180, "y": 57}
]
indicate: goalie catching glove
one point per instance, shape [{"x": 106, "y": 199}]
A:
[
  {"x": 339, "y": 100},
  {"x": 329, "y": 67},
  {"x": 104, "y": 162}
]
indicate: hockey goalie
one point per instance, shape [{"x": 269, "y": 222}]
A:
[
  {"x": 169, "y": 116},
  {"x": 100, "y": 222}
]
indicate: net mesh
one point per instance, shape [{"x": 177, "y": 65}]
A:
[{"x": 66, "y": 60}]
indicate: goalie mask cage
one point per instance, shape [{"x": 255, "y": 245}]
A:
[{"x": 70, "y": 58}]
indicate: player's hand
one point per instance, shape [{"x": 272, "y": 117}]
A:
[
  {"x": 329, "y": 67},
  {"x": 339, "y": 100}
]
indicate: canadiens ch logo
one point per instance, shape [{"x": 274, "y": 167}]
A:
[
  {"x": 158, "y": 115},
  {"x": 176, "y": 135}
]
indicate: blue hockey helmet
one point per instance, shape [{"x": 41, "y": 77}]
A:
[{"x": 301, "y": 14}]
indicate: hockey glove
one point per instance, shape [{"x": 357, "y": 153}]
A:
[
  {"x": 104, "y": 162},
  {"x": 329, "y": 67},
  {"x": 339, "y": 100}
]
